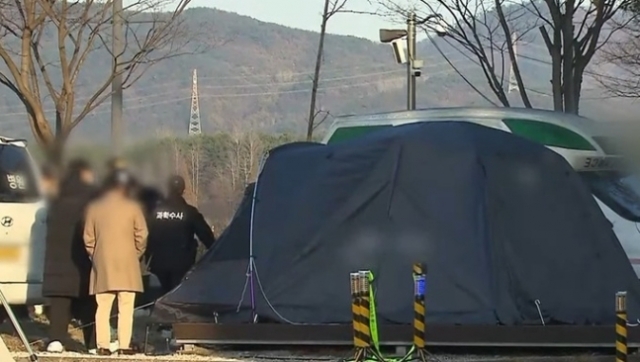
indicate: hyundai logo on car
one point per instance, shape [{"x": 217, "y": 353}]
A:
[{"x": 6, "y": 221}]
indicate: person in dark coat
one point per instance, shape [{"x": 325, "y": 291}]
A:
[
  {"x": 172, "y": 247},
  {"x": 67, "y": 266}
]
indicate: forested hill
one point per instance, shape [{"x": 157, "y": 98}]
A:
[{"x": 261, "y": 77}]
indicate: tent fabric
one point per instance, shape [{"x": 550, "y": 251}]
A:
[{"x": 500, "y": 222}]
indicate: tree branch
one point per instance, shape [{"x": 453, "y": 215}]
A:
[
  {"x": 81, "y": 32},
  {"x": 331, "y": 7}
]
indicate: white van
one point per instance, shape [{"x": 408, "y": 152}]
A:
[{"x": 22, "y": 224}]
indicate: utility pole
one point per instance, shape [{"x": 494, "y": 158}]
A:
[
  {"x": 411, "y": 52},
  {"x": 116, "y": 84},
  {"x": 414, "y": 66}
]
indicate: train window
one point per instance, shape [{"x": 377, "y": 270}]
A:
[
  {"x": 620, "y": 192},
  {"x": 17, "y": 180},
  {"x": 548, "y": 134},
  {"x": 347, "y": 133},
  {"x": 609, "y": 145}
]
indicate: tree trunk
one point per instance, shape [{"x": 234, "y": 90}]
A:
[
  {"x": 556, "y": 66},
  {"x": 316, "y": 73},
  {"x": 55, "y": 152},
  {"x": 512, "y": 56},
  {"x": 578, "y": 74},
  {"x": 568, "y": 90}
]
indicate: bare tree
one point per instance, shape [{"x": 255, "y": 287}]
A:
[
  {"x": 244, "y": 158},
  {"x": 623, "y": 52},
  {"x": 252, "y": 150},
  {"x": 80, "y": 32},
  {"x": 194, "y": 155},
  {"x": 484, "y": 31},
  {"x": 490, "y": 38},
  {"x": 331, "y": 7},
  {"x": 185, "y": 165},
  {"x": 571, "y": 50},
  {"x": 232, "y": 176}
]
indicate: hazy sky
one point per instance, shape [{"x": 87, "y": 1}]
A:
[{"x": 304, "y": 14}]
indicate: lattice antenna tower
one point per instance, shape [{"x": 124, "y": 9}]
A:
[
  {"x": 194, "y": 122},
  {"x": 513, "y": 84}
]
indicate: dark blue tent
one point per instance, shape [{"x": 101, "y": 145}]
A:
[{"x": 500, "y": 221}]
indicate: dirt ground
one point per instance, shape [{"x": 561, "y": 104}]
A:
[
  {"x": 160, "y": 351},
  {"x": 288, "y": 359},
  {"x": 158, "y": 347},
  {"x": 36, "y": 331}
]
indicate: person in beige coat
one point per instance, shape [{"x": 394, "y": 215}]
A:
[{"x": 115, "y": 236}]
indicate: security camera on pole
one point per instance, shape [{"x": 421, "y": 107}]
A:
[{"x": 407, "y": 55}]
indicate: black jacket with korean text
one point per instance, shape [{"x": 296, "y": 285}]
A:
[{"x": 173, "y": 226}]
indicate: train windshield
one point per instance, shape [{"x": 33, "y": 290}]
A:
[
  {"x": 619, "y": 191},
  {"x": 18, "y": 183}
]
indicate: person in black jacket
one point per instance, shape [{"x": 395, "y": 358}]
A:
[
  {"x": 171, "y": 246},
  {"x": 66, "y": 264}
]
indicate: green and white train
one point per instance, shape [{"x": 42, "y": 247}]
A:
[{"x": 581, "y": 141}]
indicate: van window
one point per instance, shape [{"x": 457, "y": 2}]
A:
[
  {"x": 548, "y": 134},
  {"x": 620, "y": 192},
  {"x": 347, "y": 133},
  {"x": 17, "y": 180},
  {"x": 609, "y": 145}
]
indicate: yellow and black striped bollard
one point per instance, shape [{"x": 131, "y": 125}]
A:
[
  {"x": 360, "y": 322},
  {"x": 419, "y": 309},
  {"x": 418, "y": 352},
  {"x": 361, "y": 309},
  {"x": 621, "y": 327},
  {"x": 365, "y": 312},
  {"x": 359, "y": 339},
  {"x": 365, "y": 306}
]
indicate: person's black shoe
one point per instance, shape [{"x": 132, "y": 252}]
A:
[
  {"x": 133, "y": 349},
  {"x": 103, "y": 352},
  {"x": 164, "y": 327},
  {"x": 127, "y": 352}
]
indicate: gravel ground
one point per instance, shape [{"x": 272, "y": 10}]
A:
[
  {"x": 76, "y": 357},
  {"x": 36, "y": 331},
  {"x": 211, "y": 355},
  {"x": 285, "y": 358},
  {"x": 333, "y": 355}
]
